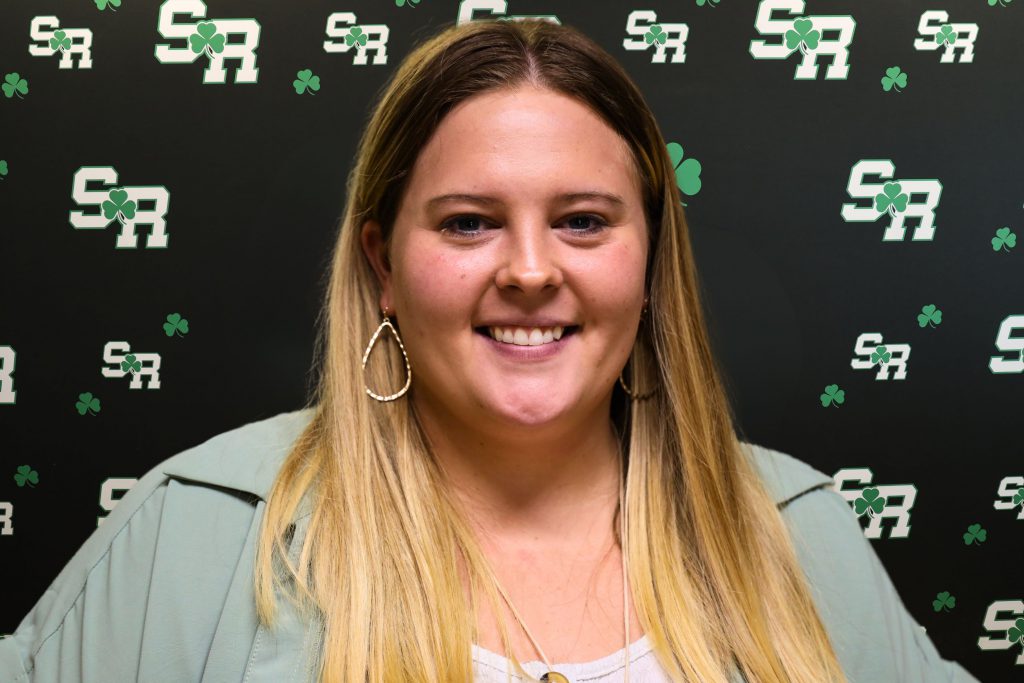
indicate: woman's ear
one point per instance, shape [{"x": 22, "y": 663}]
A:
[{"x": 376, "y": 250}]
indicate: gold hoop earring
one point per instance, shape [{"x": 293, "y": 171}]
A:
[
  {"x": 632, "y": 394},
  {"x": 366, "y": 355}
]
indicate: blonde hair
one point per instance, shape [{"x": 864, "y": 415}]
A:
[{"x": 714, "y": 577}]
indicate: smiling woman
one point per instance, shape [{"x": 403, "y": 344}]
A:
[{"x": 519, "y": 421}]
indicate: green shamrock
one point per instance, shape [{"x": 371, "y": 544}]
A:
[
  {"x": 60, "y": 41},
  {"x": 891, "y": 198},
  {"x": 102, "y": 4},
  {"x": 175, "y": 323},
  {"x": 709, "y": 3},
  {"x": 894, "y": 78},
  {"x": 206, "y": 38},
  {"x": 1004, "y": 239},
  {"x": 656, "y": 34},
  {"x": 929, "y": 314},
  {"x": 869, "y": 502},
  {"x": 87, "y": 403},
  {"x": 946, "y": 34},
  {"x": 1003, "y": 3},
  {"x": 880, "y": 355},
  {"x": 833, "y": 396},
  {"x": 355, "y": 35},
  {"x": 118, "y": 206},
  {"x": 412, "y": 3},
  {"x": 3, "y": 168},
  {"x": 687, "y": 172},
  {"x": 1016, "y": 632},
  {"x": 975, "y": 534},
  {"x": 1018, "y": 497},
  {"x": 130, "y": 364},
  {"x": 26, "y": 475},
  {"x": 944, "y": 601},
  {"x": 14, "y": 83},
  {"x": 306, "y": 81},
  {"x": 802, "y": 36}
]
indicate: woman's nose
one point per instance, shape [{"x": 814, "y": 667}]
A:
[{"x": 529, "y": 260}]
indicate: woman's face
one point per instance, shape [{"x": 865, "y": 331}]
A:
[{"x": 523, "y": 218}]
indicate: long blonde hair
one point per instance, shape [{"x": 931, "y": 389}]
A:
[{"x": 714, "y": 577}]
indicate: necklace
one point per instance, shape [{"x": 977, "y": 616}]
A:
[{"x": 553, "y": 676}]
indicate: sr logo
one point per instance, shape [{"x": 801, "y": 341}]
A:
[
  {"x": 869, "y": 351},
  {"x": 119, "y": 355},
  {"x": 363, "y": 38},
  {"x": 884, "y": 501},
  {"x": 915, "y": 198},
  {"x": 131, "y": 206},
  {"x": 663, "y": 37},
  {"x": 219, "y": 40},
  {"x": 824, "y": 35},
  {"x": 1010, "y": 628},
  {"x": 69, "y": 42},
  {"x": 940, "y": 34},
  {"x": 1008, "y": 344},
  {"x": 468, "y": 9}
]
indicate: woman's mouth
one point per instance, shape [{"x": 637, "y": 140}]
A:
[{"x": 511, "y": 337}]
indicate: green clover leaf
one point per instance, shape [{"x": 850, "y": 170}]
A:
[
  {"x": 869, "y": 502},
  {"x": 802, "y": 36},
  {"x": 687, "y": 172},
  {"x": 1004, "y": 239},
  {"x": 60, "y": 41},
  {"x": 891, "y": 198},
  {"x": 3, "y": 168},
  {"x": 305, "y": 80},
  {"x": 87, "y": 403},
  {"x": 709, "y": 3},
  {"x": 176, "y": 324},
  {"x": 1018, "y": 497},
  {"x": 656, "y": 34},
  {"x": 1016, "y": 632},
  {"x": 102, "y": 4},
  {"x": 894, "y": 78},
  {"x": 355, "y": 35},
  {"x": 880, "y": 355},
  {"x": 129, "y": 364},
  {"x": 975, "y": 534},
  {"x": 833, "y": 396},
  {"x": 14, "y": 84},
  {"x": 945, "y": 34},
  {"x": 118, "y": 206},
  {"x": 412, "y": 3},
  {"x": 206, "y": 38},
  {"x": 944, "y": 601},
  {"x": 929, "y": 314},
  {"x": 26, "y": 475}
]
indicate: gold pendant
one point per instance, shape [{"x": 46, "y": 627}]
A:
[{"x": 554, "y": 677}]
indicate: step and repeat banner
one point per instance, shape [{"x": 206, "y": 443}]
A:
[{"x": 171, "y": 176}]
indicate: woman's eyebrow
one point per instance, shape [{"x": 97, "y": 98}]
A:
[{"x": 562, "y": 198}]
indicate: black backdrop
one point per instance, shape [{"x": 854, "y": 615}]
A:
[{"x": 252, "y": 175}]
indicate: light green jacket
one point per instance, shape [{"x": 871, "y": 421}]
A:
[{"x": 161, "y": 591}]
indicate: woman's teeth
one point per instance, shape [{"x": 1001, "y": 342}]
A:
[{"x": 526, "y": 336}]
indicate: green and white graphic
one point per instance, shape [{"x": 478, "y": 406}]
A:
[
  {"x": 813, "y": 36},
  {"x": 8, "y": 357},
  {"x": 1010, "y": 629},
  {"x": 1007, "y": 343},
  {"x": 869, "y": 351},
  {"x": 112, "y": 490},
  {"x": 130, "y": 206},
  {"x": 494, "y": 9},
  {"x": 687, "y": 170},
  {"x": 916, "y": 198},
  {"x": 895, "y": 79},
  {"x": 216, "y": 40},
  {"x": 939, "y": 34},
  {"x": 14, "y": 85},
  {"x": 50, "y": 39},
  {"x": 87, "y": 404},
  {"x": 876, "y": 502},
  {"x": 6, "y": 518},
  {"x": 1011, "y": 495},
  {"x": 647, "y": 32},
  {"x": 344, "y": 34},
  {"x": 121, "y": 361}
]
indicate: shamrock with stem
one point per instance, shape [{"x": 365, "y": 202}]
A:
[
  {"x": 206, "y": 39},
  {"x": 60, "y": 41},
  {"x": 3, "y": 168},
  {"x": 355, "y": 35},
  {"x": 894, "y": 78},
  {"x": 945, "y": 34},
  {"x": 975, "y": 534},
  {"x": 306, "y": 81},
  {"x": 14, "y": 84},
  {"x": 880, "y": 355},
  {"x": 411, "y": 3},
  {"x": 87, "y": 403},
  {"x": 892, "y": 198},
  {"x": 929, "y": 314},
  {"x": 131, "y": 364},
  {"x": 118, "y": 206},
  {"x": 944, "y": 601},
  {"x": 833, "y": 396},
  {"x": 176, "y": 325},
  {"x": 1004, "y": 239},
  {"x": 803, "y": 36},
  {"x": 1015, "y": 634},
  {"x": 103, "y": 4},
  {"x": 26, "y": 475},
  {"x": 656, "y": 34},
  {"x": 869, "y": 502}
]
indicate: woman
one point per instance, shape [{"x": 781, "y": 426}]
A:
[{"x": 520, "y": 442}]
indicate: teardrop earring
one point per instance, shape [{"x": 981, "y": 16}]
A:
[{"x": 366, "y": 355}]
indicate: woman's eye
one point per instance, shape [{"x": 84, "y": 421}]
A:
[
  {"x": 462, "y": 226},
  {"x": 585, "y": 223},
  {"x": 465, "y": 227}
]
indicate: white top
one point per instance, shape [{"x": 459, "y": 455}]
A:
[{"x": 490, "y": 667}]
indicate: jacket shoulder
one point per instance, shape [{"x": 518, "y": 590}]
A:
[{"x": 785, "y": 477}]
